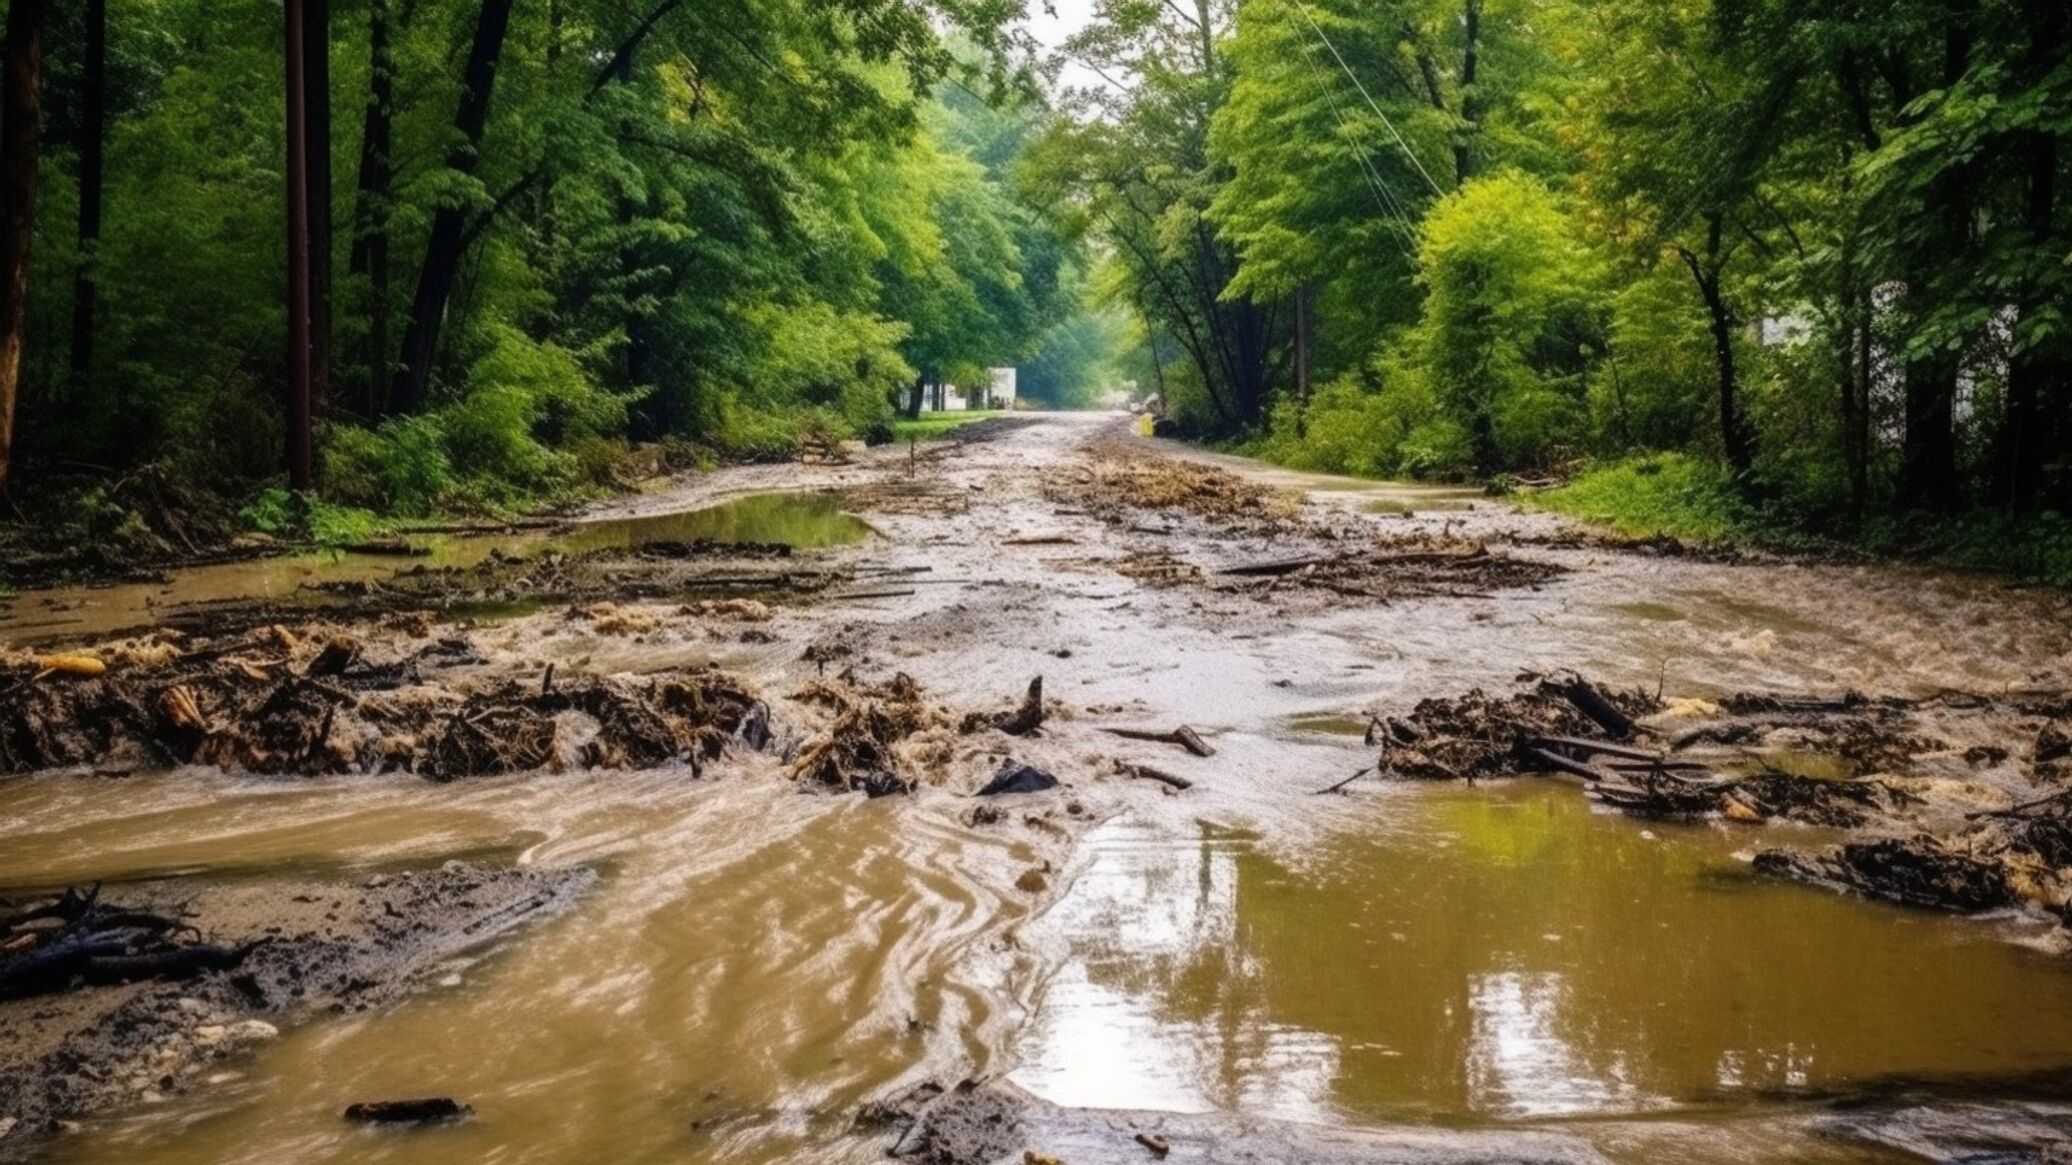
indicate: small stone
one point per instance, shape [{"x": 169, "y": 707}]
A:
[
  {"x": 7, "y": 1124},
  {"x": 253, "y": 1030},
  {"x": 1032, "y": 882},
  {"x": 210, "y": 1033},
  {"x": 152, "y": 1096},
  {"x": 189, "y": 1005}
]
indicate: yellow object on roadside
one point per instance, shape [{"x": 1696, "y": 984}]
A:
[
  {"x": 1144, "y": 424},
  {"x": 84, "y": 666}
]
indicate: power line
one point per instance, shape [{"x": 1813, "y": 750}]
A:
[{"x": 1358, "y": 84}]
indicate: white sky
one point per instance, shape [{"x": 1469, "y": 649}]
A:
[{"x": 1051, "y": 30}]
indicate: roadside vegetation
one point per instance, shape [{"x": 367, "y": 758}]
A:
[
  {"x": 499, "y": 246},
  {"x": 1754, "y": 270},
  {"x": 937, "y": 425}
]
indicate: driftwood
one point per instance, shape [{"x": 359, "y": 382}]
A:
[
  {"x": 1591, "y": 702},
  {"x": 430, "y": 1110},
  {"x": 77, "y": 940},
  {"x": 1146, "y": 772},
  {"x": 1157, "y": 1145},
  {"x": 1349, "y": 780},
  {"x": 1040, "y": 540},
  {"x": 1275, "y": 568},
  {"x": 1183, "y": 736},
  {"x": 1027, "y": 716}
]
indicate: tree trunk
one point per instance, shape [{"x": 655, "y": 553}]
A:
[
  {"x": 1302, "y": 298},
  {"x": 316, "y": 75},
  {"x": 299, "y": 396},
  {"x": 2037, "y": 375},
  {"x": 442, "y": 250},
  {"x": 21, "y": 93},
  {"x": 1735, "y": 439},
  {"x": 372, "y": 203},
  {"x": 1928, "y": 464},
  {"x": 93, "y": 129},
  {"x": 1470, "y": 104},
  {"x": 913, "y": 405}
]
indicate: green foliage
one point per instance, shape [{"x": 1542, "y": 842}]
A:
[
  {"x": 934, "y": 426},
  {"x": 1664, "y": 493}
]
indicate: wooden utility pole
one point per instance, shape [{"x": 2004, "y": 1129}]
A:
[
  {"x": 21, "y": 95},
  {"x": 299, "y": 475}
]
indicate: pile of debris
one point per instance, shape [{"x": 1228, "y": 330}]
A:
[
  {"x": 273, "y": 701},
  {"x": 1455, "y": 570},
  {"x": 1908, "y": 771},
  {"x": 860, "y": 747},
  {"x": 1119, "y": 480},
  {"x": 76, "y": 939}
]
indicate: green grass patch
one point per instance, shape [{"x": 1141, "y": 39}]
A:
[
  {"x": 931, "y": 426},
  {"x": 1666, "y": 493},
  {"x": 1694, "y": 500}
]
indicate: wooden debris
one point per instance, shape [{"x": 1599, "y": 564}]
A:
[
  {"x": 430, "y": 1110},
  {"x": 1158, "y": 1145},
  {"x": 1349, "y": 780},
  {"x": 1591, "y": 702},
  {"x": 1026, "y": 718},
  {"x": 1183, "y": 736},
  {"x": 1146, "y": 772}
]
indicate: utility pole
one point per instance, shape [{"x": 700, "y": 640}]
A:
[{"x": 299, "y": 477}]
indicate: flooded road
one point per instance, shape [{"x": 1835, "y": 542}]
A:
[{"x": 757, "y": 962}]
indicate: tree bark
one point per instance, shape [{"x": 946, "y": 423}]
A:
[
  {"x": 91, "y": 148},
  {"x": 1928, "y": 462},
  {"x": 316, "y": 75},
  {"x": 2037, "y": 375},
  {"x": 21, "y": 94},
  {"x": 443, "y": 249},
  {"x": 1302, "y": 297},
  {"x": 299, "y": 397},
  {"x": 912, "y": 407},
  {"x": 1470, "y": 104},
  {"x": 372, "y": 203},
  {"x": 1735, "y": 439}
]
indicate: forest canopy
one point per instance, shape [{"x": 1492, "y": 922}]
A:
[{"x": 1809, "y": 260}]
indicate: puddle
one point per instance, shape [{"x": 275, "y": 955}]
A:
[
  {"x": 1508, "y": 954},
  {"x": 1353, "y": 726},
  {"x": 1652, "y": 612},
  {"x": 806, "y": 521},
  {"x": 810, "y": 521}
]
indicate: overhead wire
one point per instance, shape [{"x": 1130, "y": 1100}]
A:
[{"x": 1401, "y": 142}]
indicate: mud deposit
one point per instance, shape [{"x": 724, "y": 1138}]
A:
[{"x": 841, "y": 879}]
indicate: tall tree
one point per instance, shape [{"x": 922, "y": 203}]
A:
[
  {"x": 316, "y": 71},
  {"x": 91, "y": 146},
  {"x": 443, "y": 248},
  {"x": 21, "y": 94},
  {"x": 374, "y": 197},
  {"x": 300, "y": 472}
]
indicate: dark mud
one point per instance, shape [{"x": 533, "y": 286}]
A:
[
  {"x": 314, "y": 945},
  {"x": 316, "y": 699}
]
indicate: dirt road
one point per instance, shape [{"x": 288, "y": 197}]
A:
[{"x": 776, "y": 965}]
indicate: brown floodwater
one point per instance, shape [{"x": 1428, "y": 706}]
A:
[
  {"x": 807, "y": 521},
  {"x": 756, "y": 963},
  {"x": 1502, "y": 954}
]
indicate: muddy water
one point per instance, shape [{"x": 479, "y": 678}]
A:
[
  {"x": 756, "y": 963},
  {"x": 808, "y": 521},
  {"x": 740, "y": 983},
  {"x": 1508, "y": 954}
]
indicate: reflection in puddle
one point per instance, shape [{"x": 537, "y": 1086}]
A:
[
  {"x": 807, "y": 521},
  {"x": 1507, "y": 953}
]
